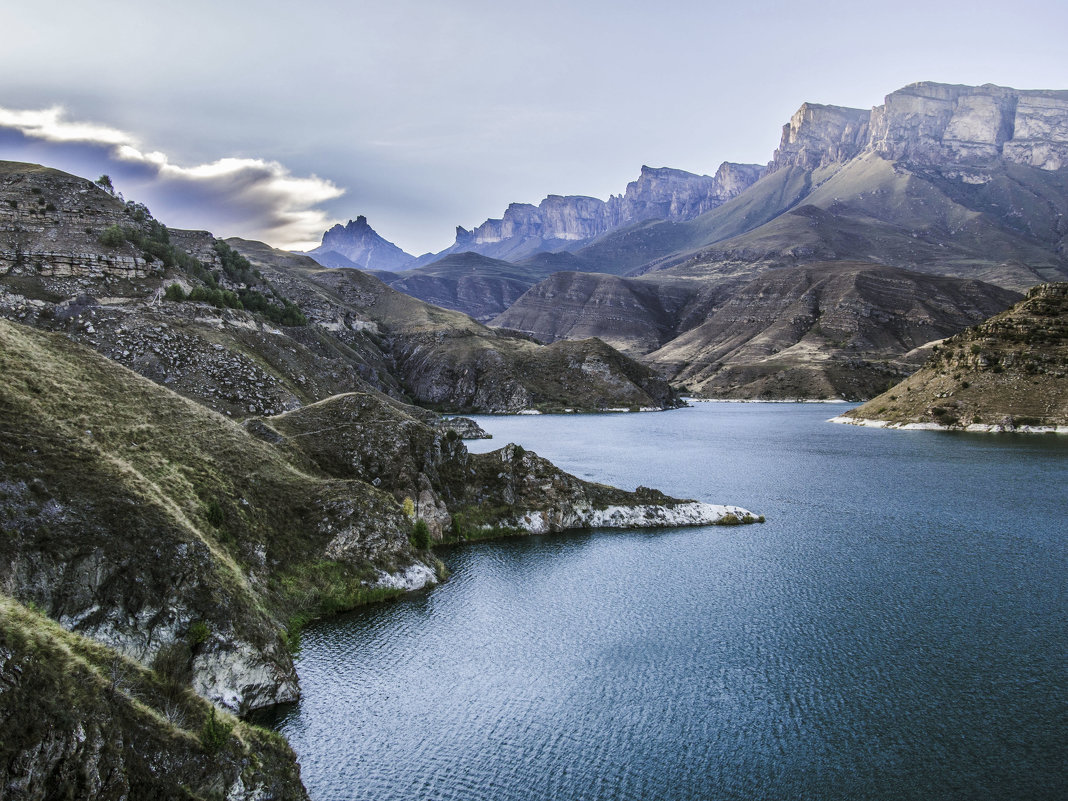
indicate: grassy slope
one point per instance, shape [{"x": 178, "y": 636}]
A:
[{"x": 120, "y": 454}]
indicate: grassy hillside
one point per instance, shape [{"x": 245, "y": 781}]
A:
[{"x": 217, "y": 527}]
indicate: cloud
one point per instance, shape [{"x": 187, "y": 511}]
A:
[{"x": 248, "y": 197}]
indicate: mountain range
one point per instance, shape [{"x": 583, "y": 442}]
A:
[
  {"x": 965, "y": 183},
  {"x": 205, "y": 444}
]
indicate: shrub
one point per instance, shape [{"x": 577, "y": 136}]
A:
[
  {"x": 458, "y": 526},
  {"x": 215, "y": 733},
  {"x": 175, "y": 292},
  {"x": 214, "y": 513},
  {"x": 198, "y": 633},
  {"x": 112, "y": 236},
  {"x": 421, "y": 535}
]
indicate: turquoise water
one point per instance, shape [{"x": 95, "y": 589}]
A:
[{"x": 897, "y": 629}]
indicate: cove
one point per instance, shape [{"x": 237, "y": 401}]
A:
[{"x": 897, "y": 629}]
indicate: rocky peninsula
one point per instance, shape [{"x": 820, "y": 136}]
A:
[{"x": 1008, "y": 374}]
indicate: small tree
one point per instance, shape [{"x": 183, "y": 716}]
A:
[
  {"x": 175, "y": 292},
  {"x": 408, "y": 505},
  {"x": 421, "y": 535},
  {"x": 104, "y": 182}
]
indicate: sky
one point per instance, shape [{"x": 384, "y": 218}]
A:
[{"x": 275, "y": 120}]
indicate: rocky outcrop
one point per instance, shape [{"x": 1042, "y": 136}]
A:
[
  {"x": 557, "y": 223},
  {"x": 357, "y": 244},
  {"x": 819, "y": 135},
  {"x": 463, "y": 495},
  {"x": 514, "y": 491},
  {"x": 51, "y": 225},
  {"x": 1009, "y": 373},
  {"x": 822, "y": 331},
  {"x": 668, "y": 194}
]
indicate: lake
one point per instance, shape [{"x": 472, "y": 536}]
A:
[{"x": 897, "y": 629}]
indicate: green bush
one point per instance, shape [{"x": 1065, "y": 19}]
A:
[
  {"x": 198, "y": 633},
  {"x": 112, "y": 237},
  {"x": 214, "y": 513},
  {"x": 175, "y": 292},
  {"x": 421, "y": 535},
  {"x": 458, "y": 526},
  {"x": 215, "y": 733}
]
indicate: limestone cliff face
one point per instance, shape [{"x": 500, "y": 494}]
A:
[
  {"x": 668, "y": 194},
  {"x": 359, "y": 245},
  {"x": 934, "y": 124},
  {"x": 569, "y": 219},
  {"x": 51, "y": 222},
  {"x": 564, "y": 222},
  {"x": 819, "y": 135}
]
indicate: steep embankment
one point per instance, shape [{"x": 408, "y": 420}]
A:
[
  {"x": 137, "y": 517},
  {"x": 1008, "y": 374},
  {"x": 82, "y": 721}
]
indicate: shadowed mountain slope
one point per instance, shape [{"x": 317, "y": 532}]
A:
[
  {"x": 467, "y": 282},
  {"x": 822, "y": 331}
]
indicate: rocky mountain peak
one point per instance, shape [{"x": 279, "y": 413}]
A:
[
  {"x": 934, "y": 124},
  {"x": 357, "y": 244}
]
